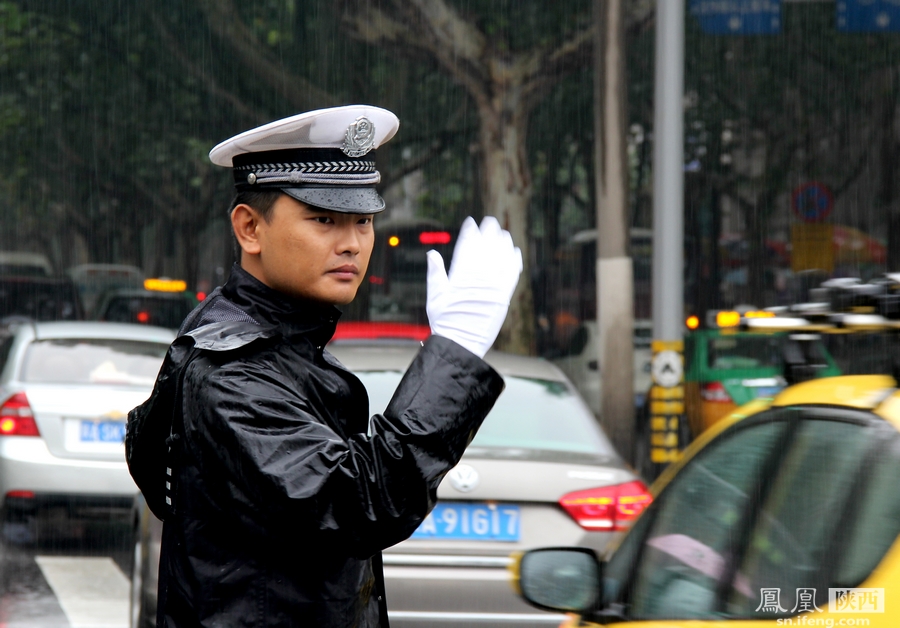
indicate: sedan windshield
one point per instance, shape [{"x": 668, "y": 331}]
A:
[
  {"x": 531, "y": 414},
  {"x": 93, "y": 361}
]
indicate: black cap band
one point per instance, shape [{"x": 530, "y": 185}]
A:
[{"x": 303, "y": 166}]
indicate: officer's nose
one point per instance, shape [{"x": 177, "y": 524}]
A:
[{"x": 349, "y": 241}]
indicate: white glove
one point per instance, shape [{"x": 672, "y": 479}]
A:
[{"x": 470, "y": 305}]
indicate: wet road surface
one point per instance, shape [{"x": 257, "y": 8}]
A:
[{"x": 67, "y": 575}]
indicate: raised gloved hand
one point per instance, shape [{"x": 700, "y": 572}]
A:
[{"x": 469, "y": 305}]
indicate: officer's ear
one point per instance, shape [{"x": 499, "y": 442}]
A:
[{"x": 244, "y": 223}]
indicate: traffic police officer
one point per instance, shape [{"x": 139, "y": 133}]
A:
[{"x": 280, "y": 489}]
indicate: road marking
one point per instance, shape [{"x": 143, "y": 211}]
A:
[
  {"x": 437, "y": 573},
  {"x": 464, "y": 618},
  {"x": 93, "y": 592}
]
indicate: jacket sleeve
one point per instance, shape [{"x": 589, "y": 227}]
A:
[{"x": 287, "y": 468}]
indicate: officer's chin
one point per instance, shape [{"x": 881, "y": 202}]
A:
[{"x": 344, "y": 297}]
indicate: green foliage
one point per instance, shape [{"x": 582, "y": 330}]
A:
[
  {"x": 520, "y": 26},
  {"x": 108, "y": 111}
]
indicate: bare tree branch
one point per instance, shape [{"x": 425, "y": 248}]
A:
[
  {"x": 173, "y": 47},
  {"x": 449, "y": 33},
  {"x": 549, "y": 68},
  {"x": 411, "y": 165},
  {"x": 463, "y": 51},
  {"x": 456, "y": 46},
  {"x": 226, "y": 22}
]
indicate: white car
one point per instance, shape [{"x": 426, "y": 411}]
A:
[
  {"x": 65, "y": 391},
  {"x": 25, "y": 264}
]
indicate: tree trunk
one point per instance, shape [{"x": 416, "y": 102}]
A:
[
  {"x": 615, "y": 285},
  {"x": 507, "y": 188}
]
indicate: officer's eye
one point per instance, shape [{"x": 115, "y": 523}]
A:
[
  {"x": 364, "y": 221},
  {"x": 325, "y": 220}
]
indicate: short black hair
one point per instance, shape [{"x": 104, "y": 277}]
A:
[{"x": 262, "y": 201}]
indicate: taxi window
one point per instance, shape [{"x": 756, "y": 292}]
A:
[
  {"x": 796, "y": 536},
  {"x": 690, "y": 343},
  {"x": 877, "y": 517},
  {"x": 744, "y": 352},
  {"x": 697, "y": 521}
]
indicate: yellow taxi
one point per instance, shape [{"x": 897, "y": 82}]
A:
[
  {"x": 726, "y": 366},
  {"x": 786, "y": 512}
]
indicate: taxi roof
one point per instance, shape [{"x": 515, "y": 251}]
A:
[{"x": 865, "y": 392}]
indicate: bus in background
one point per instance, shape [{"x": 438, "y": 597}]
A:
[
  {"x": 94, "y": 281},
  {"x": 569, "y": 328},
  {"x": 395, "y": 288},
  {"x": 573, "y": 298},
  {"x": 161, "y": 302}
]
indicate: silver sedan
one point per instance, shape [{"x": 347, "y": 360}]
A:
[{"x": 65, "y": 390}]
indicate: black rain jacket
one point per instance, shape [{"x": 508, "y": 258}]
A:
[{"x": 285, "y": 490}]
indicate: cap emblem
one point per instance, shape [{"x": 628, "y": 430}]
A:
[{"x": 359, "y": 138}]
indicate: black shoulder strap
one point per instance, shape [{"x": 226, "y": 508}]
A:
[
  {"x": 378, "y": 569},
  {"x": 174, "y": 442}
]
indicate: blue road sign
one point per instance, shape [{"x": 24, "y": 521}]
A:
[
  {"x": 738, "y": 17},
  {"x": 868, "y": 16},
  {"x": 812, "y": 202}
]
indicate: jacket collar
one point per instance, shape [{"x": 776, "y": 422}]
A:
[{"x": 271, "y": 308}]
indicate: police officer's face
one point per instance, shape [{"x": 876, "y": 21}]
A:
[{"x": 311, "y": 253}]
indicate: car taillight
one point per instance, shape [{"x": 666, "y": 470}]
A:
[
  {"x": 434, "y": 237},
  {"x": 714, "y": 392},
  {"x": 16, "y": 417},
  {"x": 607, "y": 508},
  {"x": 20, "y": 494}
]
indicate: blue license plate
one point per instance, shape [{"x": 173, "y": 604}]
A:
[
  {"x": 102, "y": 432},
  {"x": 471, "y": 522},
  {"x": 767, "y": 391}
]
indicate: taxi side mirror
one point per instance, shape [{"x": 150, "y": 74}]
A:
[{"x": 564, "y": 579}]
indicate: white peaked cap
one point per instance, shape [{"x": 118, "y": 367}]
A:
[
  {"x": 324, "y": 158},
  {"x": 323, "y": 128}
]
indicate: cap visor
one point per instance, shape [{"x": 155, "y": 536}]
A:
[{"x": 349, "y": 200}]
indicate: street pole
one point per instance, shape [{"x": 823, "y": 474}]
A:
[
  {"x": 667, "y": 394},
  {"x": 668, "y": 172},
  {"x": 615, "y": 286}
]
